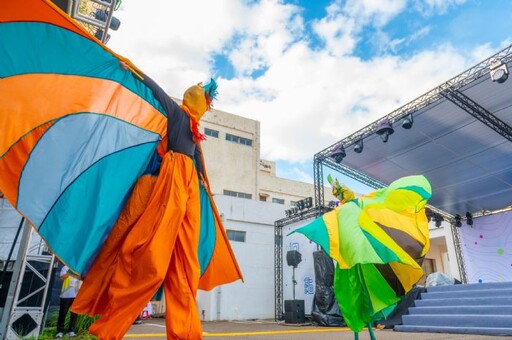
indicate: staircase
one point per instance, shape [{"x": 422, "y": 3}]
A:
[{"x": 465, "y": 309}]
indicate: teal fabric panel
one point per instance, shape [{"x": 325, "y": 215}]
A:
[
  {"x": 67, "y": 149},
  {"x": 34, "y": 47},
  {"x": 82, "y": 217},
  {"x": 207, "y": 235},
  {"x": 316, "y": 231}
]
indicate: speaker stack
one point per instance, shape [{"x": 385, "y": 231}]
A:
[{"x": 294, "y": 311}]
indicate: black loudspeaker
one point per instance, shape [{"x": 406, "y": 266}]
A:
[
  {"x": 293, "y": 258},
  {"x": 294, "y": 311}
]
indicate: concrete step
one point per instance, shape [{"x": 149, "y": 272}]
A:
[
  {"x": 474, "y": 310},
  {"x": 458, "y": 320},
  {"x": 470, "y": 286},
  {"x": 484, "y": 301},
  {"x": 454, "y": 330},
  {"x": 467, "y": 293}
]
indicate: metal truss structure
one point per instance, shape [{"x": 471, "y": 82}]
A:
[
  {"x": 25, "y": 307},
  {"x": 278, "y": 252},
  {"x": 454, "y": 84},
  {"x": 477, "y": 111},
  {"x": 450, "y": 90},
  {"x": 85, "y": 13}
]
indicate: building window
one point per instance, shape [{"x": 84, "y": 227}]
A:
[
  {"x": 263, "y": 198},
  {"x": 212, "y": 133},
  {"x": 278, "y": 200},
  {"x": 239, "y": 140},
  {"x": 237, "y": 194},
  {"x": 236, "y": 235}
]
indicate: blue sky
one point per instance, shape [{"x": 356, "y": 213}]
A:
[{"x": 311, "y": 72}]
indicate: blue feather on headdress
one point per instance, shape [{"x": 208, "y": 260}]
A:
[{"x": 210, "y": 89}]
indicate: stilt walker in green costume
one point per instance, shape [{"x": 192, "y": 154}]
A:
[{"x": 378, "y": 242}]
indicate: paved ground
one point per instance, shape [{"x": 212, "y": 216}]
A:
[{"x": 259, "y": 330}]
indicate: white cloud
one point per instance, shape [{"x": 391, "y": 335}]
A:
[
  {"x": 268, "y": 29},
  {"x": 337, "y": 31},
  {"x": 308, "y": 98},
  {"x": 430, "y": 7},
  {"x": 172, "y": 40},
  {"x": 383, "y": 43},
  {"x": 379, "y": 12}
]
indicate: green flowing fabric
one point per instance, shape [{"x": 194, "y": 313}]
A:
[{"x": 378, "y": 242}]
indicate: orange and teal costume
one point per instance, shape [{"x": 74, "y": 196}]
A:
[{"x": 79, "y": 153}]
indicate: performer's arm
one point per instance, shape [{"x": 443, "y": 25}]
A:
[
  {"x": 167, "y": 103},
  {"x": 198, "y": 158},
  {"x": 170, "y": 107}
]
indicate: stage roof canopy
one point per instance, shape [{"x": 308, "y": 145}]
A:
[{"x": 461, "y": 140}]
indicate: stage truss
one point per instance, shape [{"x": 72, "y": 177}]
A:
[{"x": 452, "y": 91}]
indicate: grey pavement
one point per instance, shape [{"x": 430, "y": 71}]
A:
[{"x": 268, "y": 329}]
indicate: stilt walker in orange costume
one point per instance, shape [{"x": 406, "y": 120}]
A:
[
  {"x": 73, "y": 155},
  {"x": 161, "y": 247}
]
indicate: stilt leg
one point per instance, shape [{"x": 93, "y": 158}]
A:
[{"x": 370, "y": 329}]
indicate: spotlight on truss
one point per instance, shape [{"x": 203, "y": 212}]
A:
[
  {"x": 498, "y": 71},
  {"x": 338, "y": 153},
  {"x": 358, "y": 147},
  {"x": 385, "y": 129},
  {"x": 469, "y": 219},
  {"x": 407, "y": 122}
]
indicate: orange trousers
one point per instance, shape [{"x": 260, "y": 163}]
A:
[{"x": 161, "y": 247}]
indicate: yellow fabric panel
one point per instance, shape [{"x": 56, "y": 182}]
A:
[
  {"x": 408, "y": 276},
  {"x": 331, "y": 224},
  {"x": 404, "y": 221},
  {"x": 369, "y": 226}
]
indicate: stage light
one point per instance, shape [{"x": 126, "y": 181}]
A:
[
  {"x": 457, "y": 221},
  {"x": 407, "y": 122},
  {"x": 430, "y": 214},
  {"x": 338, "y": 153},
  {"x": 102, "y": 16},
  {"x": 308, "y": 202},
  {"x": 385, "y": 129},
  {"x": 469, "y": 219},
  {"x": 99, "y": 36},
  {"x": 300, "y": 205},
  {"x": 498, "y": 71},
  {"x": 438, "y": 219},
  {"x": 358, "y": 147}
]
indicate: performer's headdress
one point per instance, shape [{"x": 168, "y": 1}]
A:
[
  {"x": 340, "y": 191},
  {"x": 197, "y": 100}
]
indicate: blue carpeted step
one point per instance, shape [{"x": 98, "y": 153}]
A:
[
  {"x": 471, "y": 286},
  {"x": 467, "y": 293},
  {"x": 485, "y": 301},
  {"x": 474, "y": 310},
  {"x": 455, "y": 330},
  {"x": 458, "y": 320}
]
